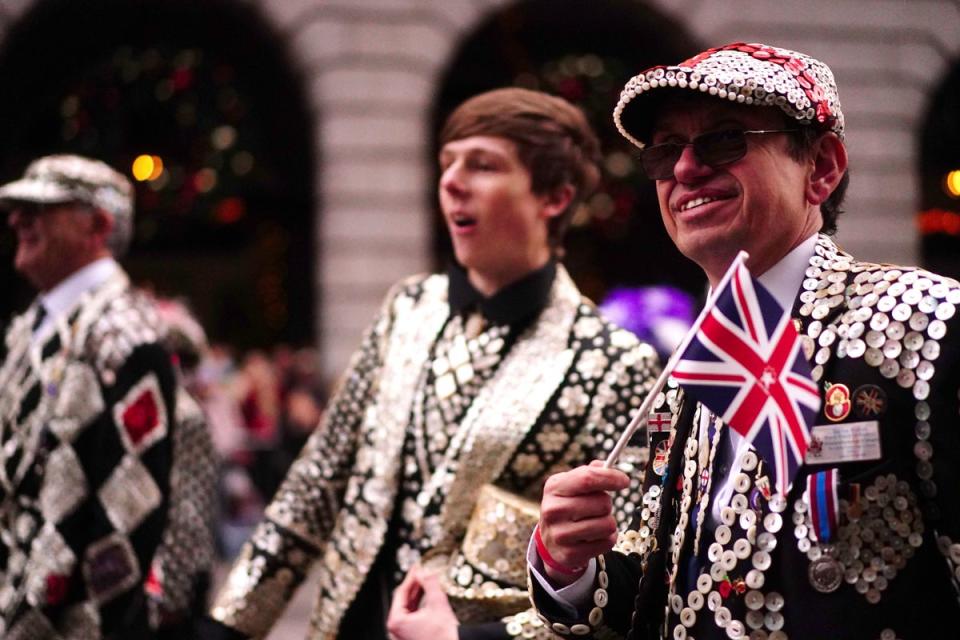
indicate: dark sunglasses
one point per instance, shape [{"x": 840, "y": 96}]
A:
[{"x": 713, "y": 149}]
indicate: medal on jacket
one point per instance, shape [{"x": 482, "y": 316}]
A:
[{"x": 826, "y": 572}]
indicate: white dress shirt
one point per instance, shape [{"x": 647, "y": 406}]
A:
[
  {"x": 62, "y": 298},
  {"x": 782, "y": 280}
]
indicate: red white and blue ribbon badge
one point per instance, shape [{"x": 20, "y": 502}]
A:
[
  {"x": 746, "y": 364},
  {"x": 822, "y": 497}
]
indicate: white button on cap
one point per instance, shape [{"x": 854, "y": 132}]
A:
[
  {"x": 676, "y": 603},
  {"x": 722, "y": 534},
  {"x": 773, "y": 620},
  {"x": 772, "y": 522},
  {"x": 761, "y": 560},
  {"x": 774, "y": 601}
]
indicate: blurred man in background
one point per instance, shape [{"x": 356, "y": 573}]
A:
[{"x": 88, "y": 413}]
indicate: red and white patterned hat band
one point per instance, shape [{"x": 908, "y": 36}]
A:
[{"x": 753, "y": 74}]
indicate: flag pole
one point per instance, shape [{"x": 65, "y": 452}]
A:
[{"x": 643, "y": 413}]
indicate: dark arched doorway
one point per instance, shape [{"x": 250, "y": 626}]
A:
[
  {"x": 939, "y": 157},
  {"x": 585, "y": 52},
  {"x": 208, "y": 89}
]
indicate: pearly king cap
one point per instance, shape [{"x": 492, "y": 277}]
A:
[
  {"x": 753, "y": 74},
  {"x": 70, "y": 178}
]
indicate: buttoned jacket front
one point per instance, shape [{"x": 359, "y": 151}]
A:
[
  {"x": 883, "y": 344},
  {"x": 552, "y": 402}
]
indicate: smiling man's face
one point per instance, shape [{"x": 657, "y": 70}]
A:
[{"x": 757, "y": 204}]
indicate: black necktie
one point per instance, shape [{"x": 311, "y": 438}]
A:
[{"x": 40, "y": 316}]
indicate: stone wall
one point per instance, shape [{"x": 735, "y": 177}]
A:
[{"x": 373, "y": 65}]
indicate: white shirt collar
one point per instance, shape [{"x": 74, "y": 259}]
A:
[
  {"x": 65, "y": 296},
  {"x": 783, "y": 280}
]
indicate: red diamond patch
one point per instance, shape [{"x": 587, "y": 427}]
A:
[
  {"x": 141, "y": 417},
  {"x": 56, "y": 588}
]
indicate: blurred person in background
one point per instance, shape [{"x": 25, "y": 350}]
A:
[
  {"x": 468, "y": 390},
  {"x": 184, "y": 562},
  {"x": 212, "y": 386},
  {"x": 88, "y": 408},
  {"x": 303, "y": 399}
]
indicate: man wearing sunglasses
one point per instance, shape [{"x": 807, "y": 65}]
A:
[
  {"x": 745, "y": 143},
  {"x": 100, "y": 449}
]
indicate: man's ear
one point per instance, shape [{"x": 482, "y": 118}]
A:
[
  {"x": 829, "y": 165},
  {"x": 102, "y": 225},
  {"x": 556, "y": 201}
]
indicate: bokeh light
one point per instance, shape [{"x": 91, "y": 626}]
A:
[
  {"x": 951, "y": 183},
  {"x": 146, "y": 168}
]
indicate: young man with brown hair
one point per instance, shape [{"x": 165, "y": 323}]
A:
[{"x": 468, "y": 390}]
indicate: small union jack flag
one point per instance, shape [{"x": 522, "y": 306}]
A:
[{"x": 745, "y": 363}]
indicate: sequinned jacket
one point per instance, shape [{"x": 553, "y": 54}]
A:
[
  {"x": 883, "y": 344},
  {"x": 86, "y": 419},
  {"x": 179, "y": 576},
  {"x": 556, "y": 398}
]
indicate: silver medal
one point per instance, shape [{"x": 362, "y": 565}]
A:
[{"x": 826, "y": 574}]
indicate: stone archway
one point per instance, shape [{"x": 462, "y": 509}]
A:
[
  {"x": 374, "y": 69},
  {"x": 211, "y": 91}
]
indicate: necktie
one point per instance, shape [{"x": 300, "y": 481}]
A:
[
  {"x": 719, "y": 470},
  {"x": 39, "y": 317}
]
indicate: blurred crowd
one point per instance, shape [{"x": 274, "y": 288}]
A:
[{"x": 261, "y": 407}]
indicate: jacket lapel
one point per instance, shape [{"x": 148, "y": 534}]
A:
[{"x": 508, "y": 406}]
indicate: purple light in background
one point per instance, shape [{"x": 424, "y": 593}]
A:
[{"x": 659, "y": 315}]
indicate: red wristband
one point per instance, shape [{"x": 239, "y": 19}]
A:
[{"x": 548, "y": 559}]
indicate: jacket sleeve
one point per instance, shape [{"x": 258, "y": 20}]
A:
[
  {"x": 298, "y": 521},
  {"x": 180, "y": 571},
  {"x": 623, "y": 583},
  {"x": 624, "y": 385}
]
